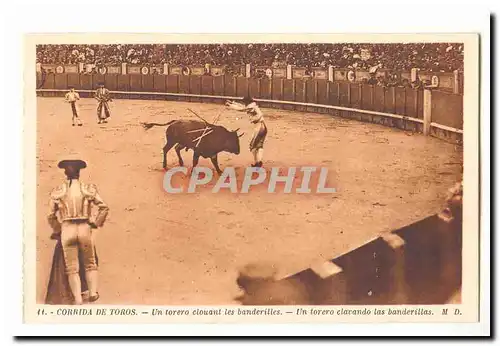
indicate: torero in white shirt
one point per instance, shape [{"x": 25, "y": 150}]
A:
[
  {"x": 256, "y": 117},
  {"x": 72, "y": 96}
]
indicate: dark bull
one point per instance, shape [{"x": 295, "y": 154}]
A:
[{"x": 185, "y": 134}]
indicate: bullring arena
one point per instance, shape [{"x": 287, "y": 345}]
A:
[{"x": 163, "y": 249}]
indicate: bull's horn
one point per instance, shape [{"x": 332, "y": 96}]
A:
[
  {"x": 241, "y": 134},
  {"x": 236, "y": 130}
]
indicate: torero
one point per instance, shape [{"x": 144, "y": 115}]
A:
[
  {"x": 72, "y": 97},
  {"x": 70, "y": 218},
  {"x": 103, "y": 96},
  {"x": 259, "y": 127}
]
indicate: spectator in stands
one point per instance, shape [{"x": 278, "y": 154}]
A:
[
  {"x": 396, "y": 57},
  {"x": 372, "y": 80},
  {"x": 405, "y": 83},
  {"x": 417, "y": 84},
  {"x": 381, "y": 81}
]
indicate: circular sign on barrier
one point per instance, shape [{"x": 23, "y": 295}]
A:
[
  {"x": 103, "y": 70},
  {"x": 145, "y": 70},
  {"x": 60, "y": 69},
  {"x": 435, "y": 81},
  {"x": 269, "y": 73},
  {"x": 186, "y": 71},
  {"x": 351, "y": 76}
]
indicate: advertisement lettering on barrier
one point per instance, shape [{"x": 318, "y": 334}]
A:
[
  {"x": 216, "y": 71},
  {"x": 113, "y": 69},
  {"x": 360, "y": 75},
  {"x": 439, "y": 80},
  {"x": 198, "y": 70},
  {"x": 175, "y": 70},
  {"x": 71, "y": 68},
  {"x": 156, "y": 69},
  {"x": 320, "y": 73},
  {"x": 259, "y": 71},
  {"x": 279, "y": 73},
  {"x": 443, "y": 80},
  {"x": 298, "y": 72},
  {"x": 447, "y": 81},
  {"x": 134, "y": 69}
]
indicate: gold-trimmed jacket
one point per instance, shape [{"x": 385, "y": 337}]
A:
[{"x": 73, "y": 201}]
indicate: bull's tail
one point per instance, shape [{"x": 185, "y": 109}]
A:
[{"x": 147, "y": 126}]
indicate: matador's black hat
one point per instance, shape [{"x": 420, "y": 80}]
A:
[
  {"x": 77, "y": 164},
  {"x": 100, "y": 84}
]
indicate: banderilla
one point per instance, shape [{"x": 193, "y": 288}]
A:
[{"x": 202, "y": 135}]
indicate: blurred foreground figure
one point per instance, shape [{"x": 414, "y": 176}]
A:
[
  {"x": 260, "y": 287},
  {"x": 70, "y": 212},
  {"x": 423, "y": 279},
  {"x": 453, "y": 214},
  {"x": 454, "y": 200}
]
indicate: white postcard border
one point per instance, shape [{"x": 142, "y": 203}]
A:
[{"x": 484, "y": 103}]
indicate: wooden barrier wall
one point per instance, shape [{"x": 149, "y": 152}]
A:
[
  {"x": 407, "y": 102},
  {"x": 447, "y": 109}
]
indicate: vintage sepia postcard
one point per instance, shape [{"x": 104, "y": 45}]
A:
[{"x": 251, "y": 178}]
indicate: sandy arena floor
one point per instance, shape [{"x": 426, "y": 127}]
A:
[{"x": 184, "y": 249}]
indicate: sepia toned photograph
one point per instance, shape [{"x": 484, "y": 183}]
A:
[{"x": 236, "y": 173}]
